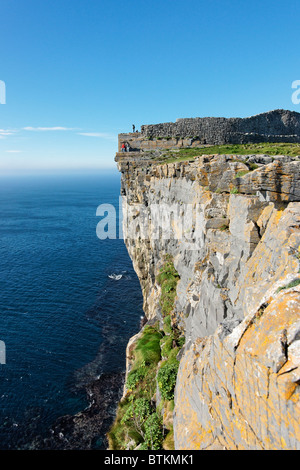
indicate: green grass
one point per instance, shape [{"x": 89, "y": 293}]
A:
[
  {"x": 294, "y": 283},
  {"x": 234, "y": 191},
  {"x": 167, "y": 279},
  {"x": 272, "y": 149},
  {"x": 166, "y": 344},
  {"x": 147, "y": 350},
  {"x": 166, "y": 378},
  {"x": 141, "y": 385},
  {"x": 137, "y": 420},
  {"x": 242, "y": 173},
  {"x": 167, "y": 327}
]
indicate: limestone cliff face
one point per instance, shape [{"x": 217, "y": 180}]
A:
[{"x": 234, "y": 237}]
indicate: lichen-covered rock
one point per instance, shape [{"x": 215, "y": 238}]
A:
[
  {"x": 235, "y": 244},
  {"x": 242, "y": 391}
]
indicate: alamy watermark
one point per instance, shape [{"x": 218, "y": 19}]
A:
[
  {"x": 2, "y": 92},
  {"x": 178, "y": 221},
  {"x": 2, "y": 353},
  {"x": 296, "y": 94}
]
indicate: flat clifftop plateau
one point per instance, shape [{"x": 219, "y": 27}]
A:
[{"x": 215, "y": 243}]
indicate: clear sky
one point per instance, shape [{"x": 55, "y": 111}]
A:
[{"x": 78, "y": 72}]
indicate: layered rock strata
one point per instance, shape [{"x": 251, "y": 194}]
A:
[{"x": 234, "y": 237}]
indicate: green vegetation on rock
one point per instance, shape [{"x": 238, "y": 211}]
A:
[
  {"x": 234, "y": 191},
  {"x": 140, "y": 422},
  {"x": 263, "y": 148},
  {"x": 167, "y": 279},
  {"x": 294, "y": 283},
  {"x": 131, "y": 425},
  {"x": 166, "y": 377},
  {"x": 241, "y": 173}
]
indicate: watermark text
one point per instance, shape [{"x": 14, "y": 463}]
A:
[
  {"x": 296, "y": 94},
  {"x": 177, "y": 221},
  {"x": 2, "y": 92},
  {"x": 2, "y": 353}
]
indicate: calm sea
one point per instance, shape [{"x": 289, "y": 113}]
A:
[{"x": 69, "y": 302}]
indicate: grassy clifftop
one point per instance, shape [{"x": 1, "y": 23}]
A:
[{"x": 272, "y": 149}]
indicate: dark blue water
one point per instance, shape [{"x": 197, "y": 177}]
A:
[{"x": 64, "y": 321}]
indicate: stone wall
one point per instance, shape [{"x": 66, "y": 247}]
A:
[
  {"x": 273, "y": 126},
  {"x": 137, "y": 142}
]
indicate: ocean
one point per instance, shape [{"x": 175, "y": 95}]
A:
[{"x": 69, "y": 301}]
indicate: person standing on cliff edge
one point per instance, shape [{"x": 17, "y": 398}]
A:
[{"x": 133, "y": 128}]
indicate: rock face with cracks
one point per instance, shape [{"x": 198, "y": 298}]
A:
[{"x": 234, "y": 237}]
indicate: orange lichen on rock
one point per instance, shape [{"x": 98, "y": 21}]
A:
[{"x": 247, "y": 398}]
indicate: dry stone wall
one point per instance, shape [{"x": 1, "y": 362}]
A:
[{"x": 273, "y": 126}]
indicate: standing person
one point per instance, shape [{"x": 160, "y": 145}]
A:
[
  {"x": 123, "y": 147},
  {"x": 127, "y": 147},
  {"x": 133, "y": 128}
]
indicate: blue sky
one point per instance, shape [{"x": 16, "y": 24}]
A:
[{"x": 78, "y": 72}]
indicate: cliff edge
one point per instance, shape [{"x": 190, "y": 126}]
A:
[{"x": 214, "y": 240}]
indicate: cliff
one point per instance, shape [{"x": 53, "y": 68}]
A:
[{"x": 223, "y": 232}]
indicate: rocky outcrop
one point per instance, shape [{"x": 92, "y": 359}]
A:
[{"x": 234, "y": 237}]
